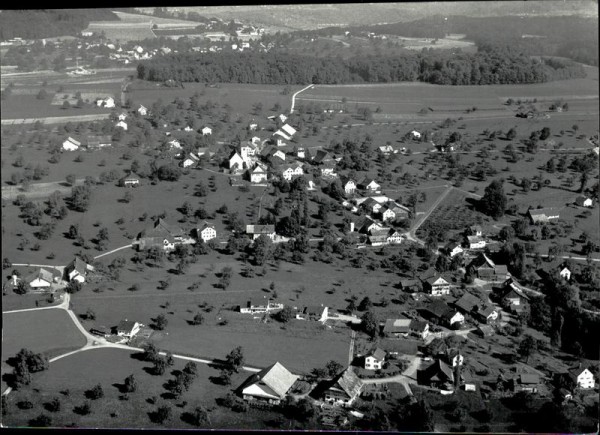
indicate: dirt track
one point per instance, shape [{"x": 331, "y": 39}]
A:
[{"x": 57, "y": 119}]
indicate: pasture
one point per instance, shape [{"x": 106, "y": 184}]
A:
[
  {"x": 49, "y": 331},
  {"x": 109, "y": 367}
]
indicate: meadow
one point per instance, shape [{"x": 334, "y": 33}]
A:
[{"x": 109, "y": 368}]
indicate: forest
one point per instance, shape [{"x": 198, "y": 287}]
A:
[
  {"x": 567, "y": 36},
  {"x": 491, "y": 65},
  {"x": 48, "y": 23}
]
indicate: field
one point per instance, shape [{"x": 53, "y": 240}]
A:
[
  {"x": 109, "y": 367},
  {"x": 49, "y": 331}
]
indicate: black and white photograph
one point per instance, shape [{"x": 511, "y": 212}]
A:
[{"x": 353, "y": 217}]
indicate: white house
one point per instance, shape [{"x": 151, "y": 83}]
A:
[
  {"x": 290, "y": 171},
  {"x": 394, "y": 237},
  {"x": 236, "y": 162},
  {"x": 122, "y": 116},
  {"x": 476, "y": 242},
  {"x": 122, "y": 124},
  {"x": 375, "y": 359},
  {"x": 282, "y": 117},
  {"x": 583, "y": 378},
  {"x": 77, "y": 270},
  {"x": 71, "y": 144},
  {"x": 270, "y": 385},
  {"x": 191, "y": 160},
  {"x": 207, "y": 232},
  {"x": 289, "y": 130},
  {"x": 387, "y": 214},
  {"x": 253, "y": 126},
  {"x": 258, "y": 174},
  {"x": 583, "y": 201},
  {"x": 206, "y": 131},
  {"x": 108, "y": 102},
  {"x": 43, "y": 278},
  {"x": 415, "y": 134},
  {"x": 564, "y": 272},
  {"x": 247, "y": 149},
  {"x": 142, "y": 110},
  {"x": 128, "y": 328},
  {"x": 349, "y": 186},
  {"x": 453, "y": 249}
]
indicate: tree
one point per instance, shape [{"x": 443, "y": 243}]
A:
[
  {"x": 73, "y": 232},
  {"x": 235, "y": 359},
  {"x": 262, "y": 249},
  {"x": 285, "y": 315},
  {"x": 527, "y": 347},
  {"x": 191, "y": 368},
  {"x": 198, "y": 319},
  {"x": 66, "y": 104},
  {"x": 333, "y": 368},
  {"x": 369, "y": 324},
  {"x": 163, "y": 413},
  {"x": 150, "y": 353},
  {"x": 199, "y": 416},
  {"x": 21, "y": 375},
  {"x": 511, "y": 134},
  {"x": 95, "y": 393},
  {"x": 493, "y": 202},
  {"x": 365, "y": 304},
  {"x": 161, "y": 322},
  {"x": 42, "y": 94},
  {"x": 130, "y": 384},
  {"x": 41, "y": 420},
  {"x": 160, "y": 365}
]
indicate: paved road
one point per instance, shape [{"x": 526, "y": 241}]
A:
[
  {"x": 294, "y": 97},
  {"x": 351, "y": 350}
]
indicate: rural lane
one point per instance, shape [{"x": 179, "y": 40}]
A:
[
  {"x": 113, "y": 251},
  {"x": 57, "y": 119},
  {"x": 295, "y": 94}
]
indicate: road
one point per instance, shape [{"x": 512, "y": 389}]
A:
[
  {"x": 113, "y": 251},
  {"x": 351, "y": 350},
  {"x": 57, "y": 119},
  {"x": 411, "y": 234},
  {"x": 294, "y": 97}
]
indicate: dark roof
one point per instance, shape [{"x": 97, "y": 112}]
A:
[
  {"x": 79, "y": 265},
  {"x": 126, "y": 325},
  {"x": 314, "y": 310},
  {"x": 276, "y": 377},
  {"x": 438, "y": 308},
  {"x": 44, "y": 273},
  {"x": 529, "y": 378},
  {"x": 418, "y": 325},
  {"x": 348, "y": 382},
  {"x": 467, "y": 302},
  {"x": 404, "y": 346},
  {"x": 260, "y": 229},
  {"x": 378, "y": 354},
  {"x": 438, "y": 369},
  {"x": 163, "y": 229}
]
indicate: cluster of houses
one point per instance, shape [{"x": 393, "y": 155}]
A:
[
  {"x": 49, "y": 279},
  {"x": 309, "y": 313}
]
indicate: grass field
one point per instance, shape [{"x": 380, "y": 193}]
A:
[
  {"x": 28, "y": 106},
  {"x": 109, "y": 368},
  {"x": 49, "y": 331}
]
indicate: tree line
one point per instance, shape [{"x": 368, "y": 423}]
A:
[
  {"x": 489, "y": 66},
  {"x": 47, "y": 23}
]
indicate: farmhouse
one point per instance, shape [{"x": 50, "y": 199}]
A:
[
  {"x": 206, "y": 232},
  {"x": 161, "y": 235},
  {"x": 484, "y": 331},
  {"x": 97, "y": 142},
  {"x": 344, "y": 389},
  {"x": 581, "y": 377},
  {"x": 434, "y": 283},
  {"x": 291, "y": 170},
  {"x": 236, "y": 163},
  {"x": 71, "y": 144},
  {"x": 102, "y": 331},
  {"x": 191, "y": 160},
  {"x": 379, "y": 237},
  {"x": 386, "y": 150},
  {"x": 404, "y": 327},
  {"x": 130, "y": 180},
  {"x": 453, "y": 357},
  {"x": 452, "y": 249},
  {"x": 77, "y": 270},
  {"x": 443, "y": 314},
  {"x": 369, "y": 185},
  {"x": 206, "y": 131},
  {"x": 122, "y": 124},
  {"x": 472, "y": 305},
  {"x": 537, "y": 215},
  {"x": 122, "y": 116},
  {"x": 475, "y": 242},
  {"x": 247, "y": 149},
  {"x": 322, "y": 156},
  {"x": 259, "y": 307},
  {"x": 374, "y": 360},
  {"x": 270, "y": 385},
  {"x": 583, "y": 201},
  {"x": 348, "y": 185},
  {"x": 437, "y": 375},
  {"x": 394, "y": 237},
  {"x": 415, "y": 134},
  {"x": 328, "y": 170},
  {"x": 410, "y": 285},
  {"x": 484, "y": 268},
  {"x": 528, "y": 382},
  {"x": 142, "y": 110},
  {"x": 370, "y": 205},
  {"x": 513, "y": 295},
  {"x": 128, "y": 328},
  {"x": 315, "y": 313},
  {"x": 108, "y": 102},
  {"x": 255, "y": 231},
  {"x": 43, "y": 278},
  {"x": 475, "y": 230}
]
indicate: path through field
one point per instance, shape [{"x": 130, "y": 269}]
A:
[{"x": 57, "y": 119}]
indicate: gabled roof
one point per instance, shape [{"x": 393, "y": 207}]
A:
[
  {"x": 44, "y": 274},
  {"x": 79, "y": 265},
  {"x": 260, "y": 229},
  {"x": 548, "y": 211},
  {"x": 276, "y": 377},
  {"x": 467, "y": 302},
  {"x": 289, "y": 129},
  {"x": 131, "y": 176},
  {"x": 418, "y": 325},
  {"x": 314, "y": 310},
  {"x": 205, "y": 225},
  {"x": 439, "y": 370},
  {"x": 321, "y": 156},
  {"x": 126, "y": 325},
  {"x": 397, "y": 326},
  {"x": 438, "y": 308},
  {"x": 163, "y": 229},
  {"x": 378, "y": 353},
  {"x": 576, "y": 372},
  {"x": 348, "y": 382},
  {"x": 475, "y": 239},
  {"x": 76, "y": 142},
  {"x": 482, "y": 260},
  {"x": 510, "y": 285},
  {"x": 529, "y": 378}
]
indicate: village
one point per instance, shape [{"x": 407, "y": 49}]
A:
[{"x": 314, "y": 264}]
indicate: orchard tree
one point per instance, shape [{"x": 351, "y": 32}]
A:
[{"x": 493, "y": 202}]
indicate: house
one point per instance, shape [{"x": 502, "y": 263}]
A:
[
  {"x": 434, "y": 283},
  {"x": 419, "y": 328},
  {"x": 379, "y": 237},
  {"x": 108, "y": 102},
  {"x": 161, "y": 235},
  {"x": 475, "y": 230},
  {"x": 394, "y": 237},
  {"x": 475, "y": 242},
  {"x": 453, "y": 357},
  {"x": 484, "y": 268},
  {"x": 122, "y": 124},
  {"x": 583, "y": 201},
  {"x": 452, "y": 249},
  {"x": 374, "y": 360},
  {"x": 71, "y": 144},
  {"x": 528, "y": 382},
  {"x": 321, "y": 157},
  {"x": 43, "y": 278},
  {"x": 472, "y": 305},
  {"x": 292, "y": 170},
  {"x": 260, "y": 307},
  {"x": 410, "y": 285},
  {"x": 443, "y": 314},
  {"x": 188, "y": 128},
  {"x": 537, "y": 215},
  {"x": 288, "y": 130},
  {"x": 369, "y": 185},
  {"x": 255, "y": 231},
  {"x": 122, "y": 116},
  {"x": 206, "y": 232},
  {"x": 236, "y": 163},
  {"x": 142, "y": 110},
  {"x": 370, "y": 205},
  {"x": 387, "y": 213},
  {"x": 302, "y": 153},
  {"x": 270, "y": 385},
  {"x": 77, "y": 270},
  {"x": 386, "y": 150},
  {"x": 206, "y": 131},
  {"x": 564, "y": 272},
  {"x": 582, "y": 378},
  {"x": 396, "y": 348},
  {"x": 399, "y": 211},
  {"x": 404, "y": 327},
  {"x": 191, "y": 160},
  {"x": 344, "y": 389},
  {"x": 253, "y": 126},
  {"x": 328, "y": 170},
  {"x": 97, "y": 142},
  {"x": 484, "y": 331},
  {"x": 247, "y": 149},
  {"x": 513, "y": 295},
  {"x": 415, "y": 134},
  {"x": 128, "y": 328},
  {"x": 437, "y": 375},
  {"x": 348, "y": 185},
  {"x": 130, "y": 180},
  {"x": 315, "y": 313},
  {"x": 258, "y": 174}
]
